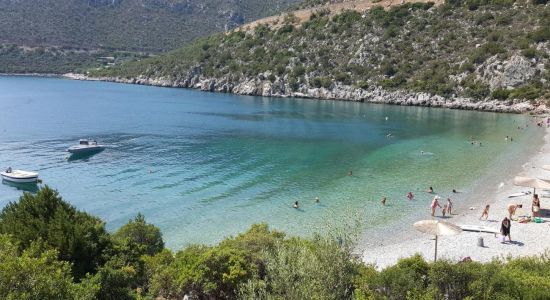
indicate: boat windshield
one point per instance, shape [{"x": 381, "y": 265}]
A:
[{"x": 83, "y": 142}]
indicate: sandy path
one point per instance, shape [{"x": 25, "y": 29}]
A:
[
  {"x": 529, "y": 239},
  {"x": 304, "y": 15}
]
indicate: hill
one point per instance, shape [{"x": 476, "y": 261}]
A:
[
  {"x": 143, "y": 26},
  {"x": 475, "y": 54}
]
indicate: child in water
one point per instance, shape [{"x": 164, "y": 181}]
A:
[{"x": 449, "y": 206}]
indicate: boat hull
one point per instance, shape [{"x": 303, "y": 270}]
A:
[
  {"x": 85, "y": 150},
  {"x": 26, "y": 179}
]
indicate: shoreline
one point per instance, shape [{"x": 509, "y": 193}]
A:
[
  {"x": 528, "y": 239},
  {"x": 266, "y": 88}
]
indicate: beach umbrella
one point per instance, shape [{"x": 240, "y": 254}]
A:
[
  {"x": 534, "y": 183},
  {"x": 437, "y": 228}
]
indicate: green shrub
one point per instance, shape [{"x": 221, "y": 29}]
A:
[
  {"x": 324, "y": 82},
  {"x": 145, "y": 235},
  {"x": 500, "y": 94},
  {"x": 78, "y": 237},
  {"x": 529, "y": 52}
]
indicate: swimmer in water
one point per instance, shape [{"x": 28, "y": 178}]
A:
[
  {"x": 430, "y": 190},
  {"x": 410, "y": 196},
  {"x": 421, "y": 152},
  {"x": 454, "y": 191},
  {"x": 350, "y": 173},
  {"x": 383, "y": 201},
  {"x": 295, "y": 205},
  {"x": 317, "y": 200}
]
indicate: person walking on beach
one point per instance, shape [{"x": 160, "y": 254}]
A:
[
  {"x": 383, "y": 201},
  {"x": 505, "y": 229},
  {"x": 535, "y": 207},
  {"x": 485, "y": 212},
  {"x": 435, "y": 204},
  {"x": 449, "y": 206},
  {"x": 512, "y": 209},
  {"x": 410, "y": 196}
]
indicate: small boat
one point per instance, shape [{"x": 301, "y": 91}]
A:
[
  {"x": 86, "y": 146},
  {"x": 19, "y": 176}
]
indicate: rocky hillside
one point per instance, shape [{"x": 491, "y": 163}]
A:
[
  {"x": 145, "y": 26},
  {"x": 475, "y": 54}
]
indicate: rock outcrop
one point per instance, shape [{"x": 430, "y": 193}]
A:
[{"x": 279, "y": 88}]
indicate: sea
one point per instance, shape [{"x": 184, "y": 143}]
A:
[{"x": 204, "y": 166}]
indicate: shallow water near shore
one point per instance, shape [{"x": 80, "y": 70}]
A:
[{"x": 202, "y": 166}]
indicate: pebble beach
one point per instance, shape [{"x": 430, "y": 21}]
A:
[{"x": 528, "y": 239}]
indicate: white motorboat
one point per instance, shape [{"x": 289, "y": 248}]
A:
[
  {"x": 19, "y": 176},
  {"x": 86, "y": 146}
]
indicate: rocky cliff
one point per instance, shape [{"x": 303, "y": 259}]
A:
[{"x": 492, "y": 57}]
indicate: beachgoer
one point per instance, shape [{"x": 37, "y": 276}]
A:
[
  {"x": 505, "y": 229},
  {"x": 317, "y": 200},
  {"x": 449, "y": 206},
  {"x": 444, "y": 209},
  {"x": 506, "y": 138},
  {"x": 410, "y": 196},
  {"x": 295, "y": 205},
  {"x": 383, "y": 201},
  {"x": 8, "y": 170},
  {"x": 350, "y": 173},
  {"x": 535, "y": 207},
  {"x": 454, "y": 191},
  {"x": 430, "y": 190},
  {"x": 421, "y": 152},
  {"x": 511, "y": 139},
  {"x": 485, "y": 212},
  {"x": 435, "y": 204},
  {"x": 512, "y": 209}
]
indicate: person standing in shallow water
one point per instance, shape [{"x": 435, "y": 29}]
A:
[
  {"x": 435, "y": 204},
  {"x": 350, "y": 173},
  {"x": 383, "y": 201},
  {"x": 295, "y": 205}
]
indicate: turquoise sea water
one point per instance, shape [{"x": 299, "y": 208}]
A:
[{"x": 202, "y": 166}]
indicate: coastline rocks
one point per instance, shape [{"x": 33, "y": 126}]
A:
[{"x": 279, "y": 88}]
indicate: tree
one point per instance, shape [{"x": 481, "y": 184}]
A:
[
  {"x": 78, "y": 237},
  {"x": 142, "y": 233},
  {"x": 37, "y": 274}
]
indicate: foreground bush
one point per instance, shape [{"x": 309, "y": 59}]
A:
[{"x": 258, "y": 264}]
